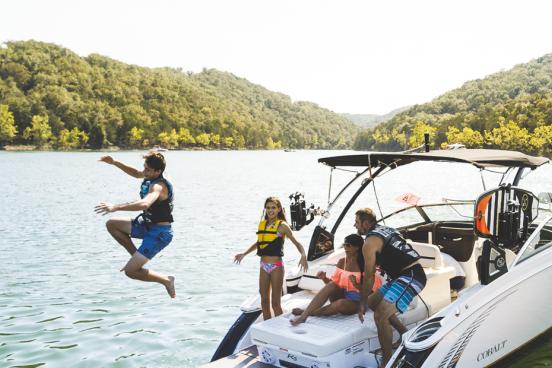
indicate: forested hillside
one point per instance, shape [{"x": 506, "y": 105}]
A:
[
  {"x": 509, "y": 110},
  {"x": 371, "y": 120},
  {"x": 50, "y": 96}
]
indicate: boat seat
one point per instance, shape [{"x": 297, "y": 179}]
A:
[
  {"x": 436, "y": 293},
  {"x": 430, "y": 254},
  {"x": 323, "y": 336},
  {"x": 318, "y": 336},
  {"x": 310, "y": 282}
]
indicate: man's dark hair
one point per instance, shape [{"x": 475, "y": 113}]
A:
[
  {"x": 156, "y": 161},
  {"x": 366, "y": 214}
]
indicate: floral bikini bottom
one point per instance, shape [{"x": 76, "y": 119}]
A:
[{"x": 269, "y": 267}]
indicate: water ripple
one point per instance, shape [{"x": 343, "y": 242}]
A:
[
  {"x": 63, "y": 347},
  {"x": 87, "y": 321},
  {"x": 50, "y": 319}
]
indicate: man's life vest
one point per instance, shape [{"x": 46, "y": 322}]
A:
[
  {"x": 396, "y": 253},
  {"x": 269, "y": 243},
  {"x": 159, "y": 211}
]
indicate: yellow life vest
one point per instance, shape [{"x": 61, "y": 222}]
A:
[{"x": 268, "y": 241}]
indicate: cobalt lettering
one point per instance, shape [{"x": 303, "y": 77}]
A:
[{"x": 490, "y": 351}]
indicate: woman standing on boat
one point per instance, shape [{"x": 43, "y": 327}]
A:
[{"x": 272, "y": 231}]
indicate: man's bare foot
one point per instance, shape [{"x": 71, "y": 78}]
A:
[
  {"x": 170, "y": 287},
  {"x": 300, "y": 319},
  {"x": 297, "y": 311}
]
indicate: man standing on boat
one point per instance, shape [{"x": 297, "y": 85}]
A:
[
  {"x": 385, "y": 247},
  {"x": 153, "y": 225}
]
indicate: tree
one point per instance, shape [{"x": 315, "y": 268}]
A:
[
  {"x": 381, "y": 137},
  {"x": 185, "y": 137},
  {"x": 228, "y": 142},
  {"x": 7, "y": 125},
  {"x": 269, "y": 144},
  {"x": 239, "y": 141},
  {"x": 509, "y": 136},
  {"x": 203, "y": 139},
  {"x": 71, "y": 139},
  {"x": 468, "y": 137},
  {"x": 399, "y": 137},
  {"x": 214, "y": 140},
  {"x": 97, "y": 137},
  {"x": 39, "y": 132},
  {"x": 541, "y": 140},
  {"x": 168, "y": 139},
  {"x": 417, "y": 134},
  {"x": 135, "y": 137}
]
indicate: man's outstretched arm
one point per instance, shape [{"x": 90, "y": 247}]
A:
[
  {"x": 127, "y": 169},
  {"x": 142, "y": 204}
]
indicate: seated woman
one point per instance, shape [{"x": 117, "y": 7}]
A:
[{"x": 343, "y": 288}]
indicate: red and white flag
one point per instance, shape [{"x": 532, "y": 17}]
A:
[{"x": 408, "y": 198}]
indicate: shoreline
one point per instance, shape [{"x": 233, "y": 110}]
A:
[{"x": 31, "y": 148}]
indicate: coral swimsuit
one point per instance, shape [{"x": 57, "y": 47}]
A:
[{"x": 342, "y": 279}]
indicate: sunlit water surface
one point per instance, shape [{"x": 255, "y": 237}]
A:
[{"x": 63, "y": 301}]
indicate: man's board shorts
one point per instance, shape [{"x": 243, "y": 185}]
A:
[
  {"x": 401, "y": 290},
  {"x": 154, "y": 237}
]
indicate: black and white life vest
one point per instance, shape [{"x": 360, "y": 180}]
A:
[
  {"x": 396, "y": 253},
  {"x": 159, "y": 211}
]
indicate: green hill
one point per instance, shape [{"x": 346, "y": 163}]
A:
[
  {"x": 372, "y": 120},
  {"x": 510, "y": 110},
  {"x": 54, "y": 97}
]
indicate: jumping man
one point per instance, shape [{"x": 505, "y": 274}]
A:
[{"x": 153, "y": 225}]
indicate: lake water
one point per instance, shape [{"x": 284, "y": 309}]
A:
[{"x": 63, "y": 301}]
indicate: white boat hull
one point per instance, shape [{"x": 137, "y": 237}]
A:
[{"x": 491, "y": 322}]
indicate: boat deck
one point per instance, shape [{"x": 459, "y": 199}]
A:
[{"x": 244, "y": 359}]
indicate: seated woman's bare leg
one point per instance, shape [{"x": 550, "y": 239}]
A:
[
  {"x": 317, "y": 302},
  {"x": 341, "y": 306},
  {"x": 335, "y": 295}
]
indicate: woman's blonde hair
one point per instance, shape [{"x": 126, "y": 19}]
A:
[{"x": 276, "y": 200}]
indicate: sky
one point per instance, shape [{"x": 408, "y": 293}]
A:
[{"x": 350, "y": 56}]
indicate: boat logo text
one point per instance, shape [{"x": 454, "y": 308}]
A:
[{"x": 490, "y": 351}]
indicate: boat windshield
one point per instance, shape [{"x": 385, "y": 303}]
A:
[
  {"x": 453, "y": 211},
  {"x": 538, "y": 242},
  {"x": 448, "y": 211}
]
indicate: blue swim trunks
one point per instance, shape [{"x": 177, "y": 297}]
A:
[
  {"x": 404, "y": 288},
  {"x": 155, "y": 237}
]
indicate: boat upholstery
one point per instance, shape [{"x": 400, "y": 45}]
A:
[
  {"x": 323, "y": 336},
  {"x": 436, "y": 294},
  {"x": 430, "y": 255}
]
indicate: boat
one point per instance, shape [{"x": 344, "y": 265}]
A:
[
  {"x": 502, "y": 239},
  {"x": 158, "y": 148},
  {"x": 456, "y": 146}
]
